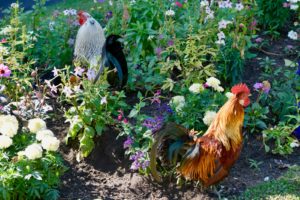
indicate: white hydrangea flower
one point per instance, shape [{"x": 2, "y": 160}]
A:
[
  {"x": 9, "y": 125},
  {"x": 178, "y": 102},
  {"x": 40, "y": 135},
  {"x": 293, "y": 35},
  {"x": 33, "y": 151},
  {"x": 220, "y": 89},
  {"x": 214, "y": 83},
  {"x": 229, "y": 95},
  {"x": 293, "y": 1},
  {"x": 170, "y": 13},
  {"x": 36, "y": 125},
  {"x": 5, "y": 141},
  {"x": 196, "y": 88},
  {"x": 50, "y": 143},
  {"x": 21, "y": 153},
  {"x": 209, "y": 117}
]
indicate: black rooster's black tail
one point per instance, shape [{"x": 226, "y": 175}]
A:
[{"x": 114, "y": 58}]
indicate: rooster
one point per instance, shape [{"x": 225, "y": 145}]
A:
[
  {"x": 92, "y": 45},
  {"x": 207, "y": 158}
]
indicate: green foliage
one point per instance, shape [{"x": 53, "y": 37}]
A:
[
  {"x": 14, "y": 54},
  {"x": 281, "y": 136},
  {"x": 139, "y": 136},
  {"x": 92, "y": 109},
  {"x": 194, "y": 58},
  {"x": 272, "y": 15},
  {"x": 255, "y": 164},
  {"x": 255, "y": 117}
]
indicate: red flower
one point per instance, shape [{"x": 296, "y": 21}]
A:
[{"x": 178, "y": 4}]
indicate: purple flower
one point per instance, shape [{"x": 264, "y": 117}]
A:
[
  {"x": 91, "y": 74},
  {"x": 161, "y": 36},
  {"x": 154, "y": 124},
  {"x": 156, "y": 97},
  {"x": 101, "y": 1},
  {"x": 170, "y": 43},
  {"x": 258, "y": 40},
  {"x": 258, "y": 86},
  {"x": 109, "y": 15},
  {"x": 158, "y": 51},
  {"x": 139, "y": 161},
  {"x": 127, "y": 143}
]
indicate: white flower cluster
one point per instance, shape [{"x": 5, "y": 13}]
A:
[
  {"x": 225, "y": 4},
  {"x": 214, "y": 83},
  {"x": 196, "y": 88},
  {"x": 294, "y": 144},
  {"x": 293, "y": 35},
  {"x": 210, "y": 13},
  {"x": 221, "y": 36},
  {"x": 9, "y": 125},
  {"x": 178, "y": 102},
  {"x": 209, "y": 117},
  {"x": 294, "y": 4},
  {"x": 170, "y": 13},
  {"x": 70, "y": 12}
]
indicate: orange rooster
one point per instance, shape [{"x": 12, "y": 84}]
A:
[{"x": 207, "y": 158}]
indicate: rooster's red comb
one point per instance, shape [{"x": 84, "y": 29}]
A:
[{"x": 240, "y": 88}]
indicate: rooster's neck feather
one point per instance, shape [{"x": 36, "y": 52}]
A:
[{"x": 227, "y": 125}]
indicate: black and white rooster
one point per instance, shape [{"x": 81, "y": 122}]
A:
[{"x": 92, "y": 46}]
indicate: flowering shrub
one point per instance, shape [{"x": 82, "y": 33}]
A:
[
  {"x": 198, "y": 104},
  {"x": 15, "y": 43},
  {"x": 30, "y": 165},
  {"x": 140, "y": 133},
  {"x": 92, "y": 106}
]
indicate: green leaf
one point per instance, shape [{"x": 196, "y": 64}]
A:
[
  {"x": 75, "y": 129},
  {"x": 289, "y": 63},
  {"x": 89, "y": 131},
  {"x": 86, "y": 145},
  {"x": 99, "y": 127},
  {"x": 133, "y": 113}
]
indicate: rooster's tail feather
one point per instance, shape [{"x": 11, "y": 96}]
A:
[{"x": 170, "y": 131}]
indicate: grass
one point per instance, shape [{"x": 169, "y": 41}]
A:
[{"x": 286, "y": 187}]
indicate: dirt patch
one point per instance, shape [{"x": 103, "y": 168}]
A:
[{"x": 106, "y": 174}]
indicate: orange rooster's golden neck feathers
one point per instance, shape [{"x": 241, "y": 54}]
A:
[{"x": 227, "y": 125}]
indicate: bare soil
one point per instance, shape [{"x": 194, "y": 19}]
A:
[{"x": 105, "y": 174}]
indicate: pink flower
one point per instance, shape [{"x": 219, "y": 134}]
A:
[
  {"x": 4, "y": 71},
  {"x": 286, "y": 5},
  {"x": 125, "y": 121},
  {"x": 3, "y": 40},
  {"x": 178, "y": 4},
  {"x": 258, "y": 40}
]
